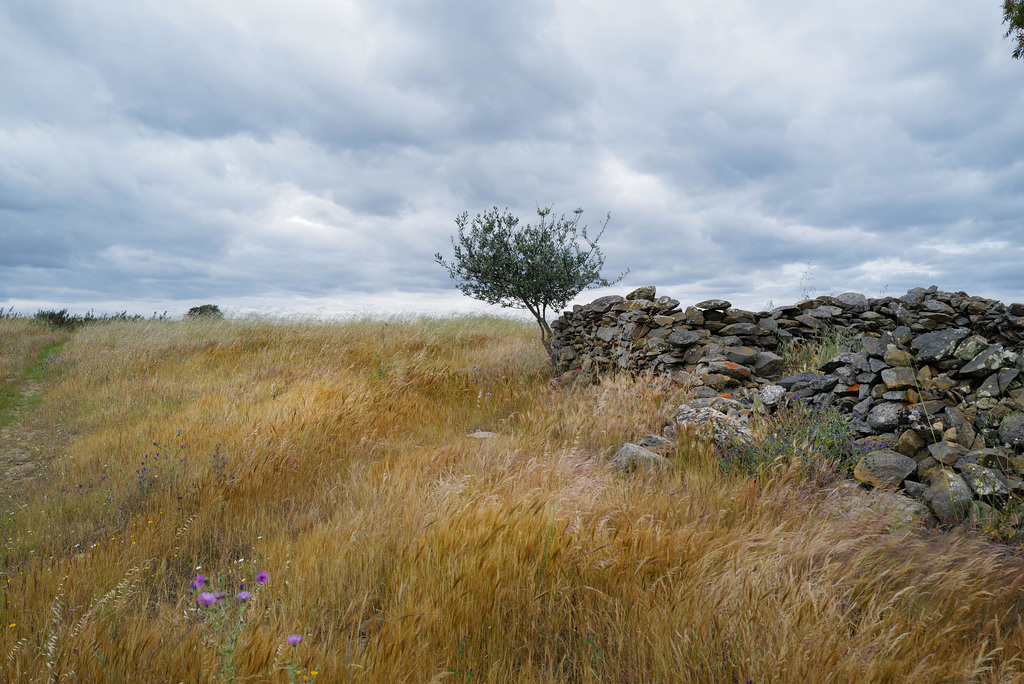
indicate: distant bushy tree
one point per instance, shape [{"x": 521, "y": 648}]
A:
[
  {"x": 1013, "y": 14},
  {"x": 534, "y": 268},
  {"x": 206, "y": 310}
]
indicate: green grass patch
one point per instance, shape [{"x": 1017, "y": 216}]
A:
[{"x": 49, "y": 362}]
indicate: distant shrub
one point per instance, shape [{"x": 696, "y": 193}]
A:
[
  {"x": 62, "y": 320},
  {"x": 211, "y": 310}
]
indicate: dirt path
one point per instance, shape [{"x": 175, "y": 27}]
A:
[{"x": 23, "y": 456}]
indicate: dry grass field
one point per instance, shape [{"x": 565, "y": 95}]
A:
[{"x": 334, "y": 458}]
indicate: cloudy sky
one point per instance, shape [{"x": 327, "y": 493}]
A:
[{"x": 310, "y": 156}]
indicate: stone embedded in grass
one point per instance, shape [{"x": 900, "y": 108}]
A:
[
  {"x": 631, "y": 457},
  {"x": 884, "y": 468}
]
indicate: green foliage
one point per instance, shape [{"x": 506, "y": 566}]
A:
[
  {"x": 62, "y": 320},
  {"x": 1013, "y": 14},
  {"x": 205, "y": 310},
  {"x": 818, "y": 435},
  {"x": 533, "y": 268}
]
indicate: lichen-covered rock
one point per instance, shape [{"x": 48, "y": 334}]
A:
[
  {"x": 984, "y": 481},
  {"x": 1011, "y": 429},
  {"x": 646, "y": 292},
  {"x": 936, "y": 346},
  {"x": 884, "y": 468}
]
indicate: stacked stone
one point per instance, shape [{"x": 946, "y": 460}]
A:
[
  {"x": 935, "y": 378},
  {"x": 711, "y": 343}
]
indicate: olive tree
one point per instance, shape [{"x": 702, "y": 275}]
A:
[
  {"x": 1013, "y": 13},
  {"x": 534, "y": 268}
]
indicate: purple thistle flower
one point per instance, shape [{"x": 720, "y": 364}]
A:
[
  {"x": 294, "y": 639},
  {"x": 207, "y": 599},
  {"x": 199, "y": 581},
  {"x": 244, "y": 596},
  {"x": 262, "y": 577}
]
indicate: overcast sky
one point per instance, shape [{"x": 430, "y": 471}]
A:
[{"x": 310, "y": 156}]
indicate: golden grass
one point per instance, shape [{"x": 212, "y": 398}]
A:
[{"x": 336, "y": 458}]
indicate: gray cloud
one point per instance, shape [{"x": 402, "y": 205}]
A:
[{"x": 259, "y": 154}]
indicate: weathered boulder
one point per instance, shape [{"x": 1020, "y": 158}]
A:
[
  {"x": 646, "y": 292},
  {"x": 632, "y": 457},
  {"x": 949, "y": 497},
  {"x": 884, "y": 468}
]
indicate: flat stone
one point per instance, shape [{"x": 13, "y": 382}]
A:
[
  {"x": 938, "y": 345},
  {"x": 898, "y": 357},
  {"x": 714, "y": 305},
  {"x": 992, "y": 358},
  {"x": 884, "y": 468},
  {"x": 665, "y": 303},
  {"x": 603, "y": 304},
  {"x": 743, "y": 355},
  {"x": 741, "y": 330},
  {"x": 984, "y": 481},
  {"x": 733, "y": 370},
  {"x": 720, "y": 381},
  {"x": 971, "y": 347},
  {"x": 646, "y": 292},
  {"x": 900, "y": 377},
  {"x": 683, "y": 338}
]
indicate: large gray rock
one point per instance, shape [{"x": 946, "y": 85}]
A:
[
  {"x": 938, "y": 345},
  {"x": 646, "y": 292},
  {"x": 884, "y": 468},
  {"x": 768, "y": 365},
  {"x": 603, "y": 304},
  {"x": 714, "y": 305},
  {"x": 684, "y": 338},
  {"x": 886, "y": 416},
  {"x": 632, "y": 457},
  {"x": 949, "y": 497}
]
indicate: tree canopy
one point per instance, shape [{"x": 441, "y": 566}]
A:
[
  {"x": 534, "y": 268},
  {"x": 1013, "y": 14}
]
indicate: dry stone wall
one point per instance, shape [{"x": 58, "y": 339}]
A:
[{"x": 935, "y": 378}]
